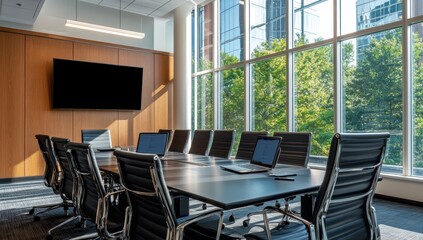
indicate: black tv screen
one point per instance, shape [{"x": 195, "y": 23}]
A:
[{"x": 88, "y": 85}]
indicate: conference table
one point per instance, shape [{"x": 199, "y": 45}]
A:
[{"x": 202, "y": 178}]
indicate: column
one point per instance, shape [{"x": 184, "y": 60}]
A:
[{"x": 182, "y": 67}]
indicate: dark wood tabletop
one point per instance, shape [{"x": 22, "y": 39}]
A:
[{"x": 201, "y": 178}]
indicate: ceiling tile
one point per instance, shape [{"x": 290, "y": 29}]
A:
[{"x": 25, "y": 4}]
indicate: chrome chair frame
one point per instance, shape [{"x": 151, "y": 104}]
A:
[
  {"x": 336, "y": 189},
  {"x": 52, "y": 178},
  {"x": 101, "y": 218},
  {"x": 175, "y": 228}
]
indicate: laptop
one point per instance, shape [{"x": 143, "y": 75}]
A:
[
  {"x": 264, "y": 157},
  {"x": 153, "y": 143}
]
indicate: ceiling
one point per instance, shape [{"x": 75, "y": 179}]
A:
[{"x": 26, "y": 11}]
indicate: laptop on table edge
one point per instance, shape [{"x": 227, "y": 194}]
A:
[
  {"x": 265, "y": 156},
  {"x": 152, "y": 143}
]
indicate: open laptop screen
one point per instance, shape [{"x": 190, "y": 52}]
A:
[
  {"x": 154, "y": 143},
  {"x": 266, "y": 151}
]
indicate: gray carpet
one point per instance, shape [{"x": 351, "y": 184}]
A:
[{"x": 397, "y": 221}]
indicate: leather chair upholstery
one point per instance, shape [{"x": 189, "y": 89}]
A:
[
  {"x": 200, "y": 143},
  {"x": 247, "y": 144},
  {"x": 93, "y": 201},
  {"x": 179, "y": 140},
  {"x": 97, "y": 138},
  {"x": 343, "y": 207},
  {"x": 150, "y": 214},
  {"x": 223, "y": 141}
]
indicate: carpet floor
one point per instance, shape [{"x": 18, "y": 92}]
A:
[{"x": 396, "y": 220}]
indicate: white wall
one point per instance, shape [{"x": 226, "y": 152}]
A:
[
  {"x": 401, "y": 187},
  {"x": 54, "y": 13}
]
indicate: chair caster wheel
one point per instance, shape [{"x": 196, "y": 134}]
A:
[
  {"x": 31, "y": 211},
  {"x": 246, "y": 222},
  {"x": 49, "y": 237},
  {"x": 36, "y": 218},
  {"x": 204, "y": 206},
  {"x": 223, "y": 226},
  {"x": 232, "y": 218}
]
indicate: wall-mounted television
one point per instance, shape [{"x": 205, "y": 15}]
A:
[{"x": 88, "y": 85}]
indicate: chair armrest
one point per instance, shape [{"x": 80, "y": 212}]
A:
[
  {"x": 309, "y": 226},
  {"x": 189, "y": 220},
  {"x": 103, "y": 212}
]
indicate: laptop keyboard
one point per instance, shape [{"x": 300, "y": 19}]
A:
[{"x": 251, "y": 167}]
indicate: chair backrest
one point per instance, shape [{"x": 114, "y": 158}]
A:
[
  {"x": 223, "y": 140},
  {"x": 90, "y": 186},
  {"x": 51, "y": 171},
  {"x": 68, "y": 184},
  {"x": 179, "y": 140},
  {"x": 247, "y": 144},
  {"x": 200, "y": 143},
  {"x": 151, "y": 213},
  {"x": 295, "y": 148},
  {"x": 97, "y": 138},
  {"x": 343, "y": 207},
  {"x": 169, "y": 135}
]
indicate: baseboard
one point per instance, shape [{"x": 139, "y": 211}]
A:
[
  {"x": 399, "y": 200},
  {"x": 20, "y": 179}
]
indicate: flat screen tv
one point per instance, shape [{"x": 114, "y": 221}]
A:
[{"x": 88, "y": 85}]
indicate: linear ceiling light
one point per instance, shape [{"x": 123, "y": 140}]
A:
[{"x": 104, "y": 29}]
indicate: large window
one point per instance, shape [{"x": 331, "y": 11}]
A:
[
  {"x": 417, "y": 75},
  {"x": 231, "y": 100},
  {"x": 372, "y": 84},
  {"x": 268, "y": 111},
  {"x": 314, "y": 96},
  {"x": 312, "y": 20},
  {"x": 267, "y": 27},
  {"x": 203, "y": 102},
  {"x": 320, "y": 66},
  {"x": 205, "y": 37},
  {"x": 231, "y": 31}
]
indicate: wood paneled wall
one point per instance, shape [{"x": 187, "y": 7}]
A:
[{"x": 26, "y": 94}]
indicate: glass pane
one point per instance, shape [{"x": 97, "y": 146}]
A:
[
  {"x": 269, "y": 95},
  {"x": 417, "y": 76},
  {"x": 372, "y": 88},
  {"x": 312, "y": 21},
  {"x": 267, "y": 31},
  {"x": 416, "y": 8},
  {"x": 203, "y": 110},
  {"x": 363, "y": 14},
  {"x": 232, "y": 102},
  {"x": 205, "y": 37},
  {"x": 231, "y": 31},
  {"x": 313, "y": 78}
]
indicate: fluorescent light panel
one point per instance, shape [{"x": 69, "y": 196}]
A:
[{"x": 104, "y": 29}]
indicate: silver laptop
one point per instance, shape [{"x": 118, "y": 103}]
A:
[
  {"x": 264, "y": 158},
  {"x": 153, "y": 143}
]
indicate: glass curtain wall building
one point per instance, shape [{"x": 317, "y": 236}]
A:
[{"x": 321, "y": 66}]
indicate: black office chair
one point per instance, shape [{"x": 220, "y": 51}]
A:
[
  {"x": 94, "y": 203},
  {"x": 51, "y": 176},
  {"x": 97, "y": 138},
  {"x": 343, "y": 207},
  {"x": 68, "y": 184},
  {"x": 223, "y": 140},
  {"x": 150, "y": 214},
  {"x": 169, "y": 135},
  {"x": 295, "y": 150},
  {"x": 200, "y": 143},
  {"x": 247, "y": 144},
  {"x": 179, "y": 141}
]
